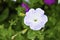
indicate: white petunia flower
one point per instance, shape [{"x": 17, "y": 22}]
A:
[
  {"x": 58, "y": 1},
  {"x": 14, "y": 0},
  {"x": 35, "y": 19}
]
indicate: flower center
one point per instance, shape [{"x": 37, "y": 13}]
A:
[{"x": 35, "y": 20}]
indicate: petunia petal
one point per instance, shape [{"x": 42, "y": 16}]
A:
[
  {"x": 39, "y": 10},
  {"x": 44, "y": 19},
  {"x": 36, "y": 26},
  {"x": 31, "y": 11},
  {"x": 28, "y": 20}
]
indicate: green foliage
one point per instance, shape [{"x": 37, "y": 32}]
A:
[
  {"x": 4, "y": 15},
  {"x": 19, "y": 37},
  {"x": 33, "y": 4},
  {"x": 35, "y": 34},
  {"x": 31, "y": 34},
  {"x": 5, "y": 33}
]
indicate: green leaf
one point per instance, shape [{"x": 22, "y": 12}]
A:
[
  {"x": 57, "y": 25},
  {"x": 41, "y": 37},
  {"x": 4, "y": 15},
  {"x": 19, "y": 37},
  {"x": 33, "y": 1},
  {"x": 19, "y": 1},
  {"x": 20, "y": 9},
  {"x": 52, "y": 20},
  {"x": 18, "y": 26},
  {"x": 31, "y": 34},
  {"x": 6, "y": 33},
  {"x": 41, "y": 2}
]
